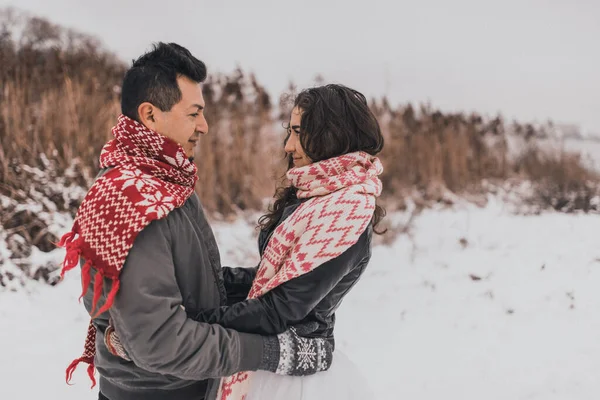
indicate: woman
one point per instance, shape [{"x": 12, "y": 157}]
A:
[{"x": 315, "y": 243}]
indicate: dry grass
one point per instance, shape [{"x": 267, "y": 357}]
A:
[
  {"x": 430, "y": 147},
  {"x": 561, "y": 179},
  {"x": 59, "y": 98}
]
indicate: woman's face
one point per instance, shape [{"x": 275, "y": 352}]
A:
[{"x": 293, "y": 146}]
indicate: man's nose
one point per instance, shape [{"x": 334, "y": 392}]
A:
[{"x": 202, "y": 125}]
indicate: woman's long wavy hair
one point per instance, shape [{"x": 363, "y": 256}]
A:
[{"x": 336, "y": 120}]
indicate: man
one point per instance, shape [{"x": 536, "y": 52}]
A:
[{"x": 142, "y": 229}]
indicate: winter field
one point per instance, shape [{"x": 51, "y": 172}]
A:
[
  {"x": 474, "y": 303},
  {"x": 492, "y": 302}
]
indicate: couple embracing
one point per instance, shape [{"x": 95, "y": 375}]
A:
[{"x": 168, "y": 322}]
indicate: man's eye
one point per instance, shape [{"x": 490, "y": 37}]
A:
[{"x": 194, "y": 115}]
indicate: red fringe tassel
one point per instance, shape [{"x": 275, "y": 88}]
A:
[
  {"x": 72, "y": 245},
  {"x": 110, "y": 298},
  {"x": 86, "y": 278},
  {"x": 90, "y": 369},
  {"x": 98, "y": 282}
]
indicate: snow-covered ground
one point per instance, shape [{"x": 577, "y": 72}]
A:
[{"x": 475, "y": 304}]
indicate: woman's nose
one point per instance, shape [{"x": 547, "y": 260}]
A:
[{"x": 290, "y": 144}]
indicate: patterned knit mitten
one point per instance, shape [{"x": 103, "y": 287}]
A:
[
  {"x": 290, "y": 354},
  {"x": 113, "y": 343}
]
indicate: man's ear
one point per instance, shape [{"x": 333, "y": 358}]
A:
[{"x": 147, "y": 115}]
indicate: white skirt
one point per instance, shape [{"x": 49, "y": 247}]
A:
[{"x": 343, "y": 380}]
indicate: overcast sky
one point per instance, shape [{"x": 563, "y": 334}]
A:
[{"x": 528, "y": 59}]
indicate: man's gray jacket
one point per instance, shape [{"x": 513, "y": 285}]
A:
[{"x": 173, "y": 264}]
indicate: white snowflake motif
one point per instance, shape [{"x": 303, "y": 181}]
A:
[
  {"x": 181, "y": 162},
  {"x": 157, "y": 203},
  {"x": 136, "y": 178},
  {"x": 307, "y": 355}
]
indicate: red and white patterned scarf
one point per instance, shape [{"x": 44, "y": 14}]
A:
[
  {"x": 342, "y": 192},
  {"x": 150, "y": 176}
]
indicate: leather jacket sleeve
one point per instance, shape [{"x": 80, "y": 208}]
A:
[
  {"x": 237, "y": 283},
  {"x": 289, "y": 303}
]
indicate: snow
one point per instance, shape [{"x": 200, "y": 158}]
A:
[
  {"x": 475, "y": 303},
  {"x": 526, "y": 330}
]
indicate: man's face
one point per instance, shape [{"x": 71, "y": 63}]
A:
[{"x": 185, "y": 122}]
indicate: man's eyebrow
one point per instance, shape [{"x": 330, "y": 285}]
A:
[{"x": 200, "y": 108}]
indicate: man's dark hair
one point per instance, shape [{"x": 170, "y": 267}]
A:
[{"x": 153, "y": 78}]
